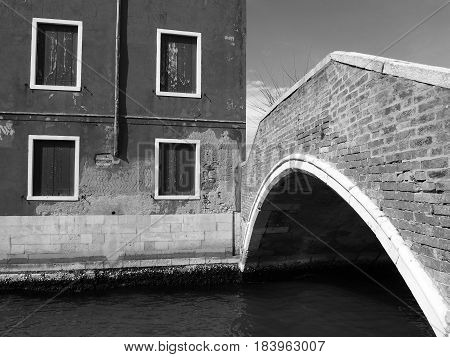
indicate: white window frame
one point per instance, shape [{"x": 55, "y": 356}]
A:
[
  {"x": 196, "y": 196},
  {"x": 35, "y": 24},
  {"x": 31, "y": 139},
  {"x": 198, "y": 36}
]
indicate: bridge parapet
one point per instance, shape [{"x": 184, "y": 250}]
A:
[{"x": 385, "y": 126}]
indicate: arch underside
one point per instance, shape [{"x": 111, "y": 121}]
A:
[{"x": 288, "y": 223}]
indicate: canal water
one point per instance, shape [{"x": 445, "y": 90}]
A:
[{"x": 341, "y": 303}]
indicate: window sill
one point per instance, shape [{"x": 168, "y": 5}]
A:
[
  {"x": 178, "y": 95},
  {"x": 59, "y": 88},
  {"x": 52, "y": 198},
  {"x": 159, "y": 197}
]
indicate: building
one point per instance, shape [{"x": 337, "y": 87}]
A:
[{"x": 122, "y": 128}]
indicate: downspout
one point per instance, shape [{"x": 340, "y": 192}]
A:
[{"x": 116, "y": 83}]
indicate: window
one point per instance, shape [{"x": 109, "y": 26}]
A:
[
  {"x": 177, "y": 169},
  {"x": 53, "y": 164},
  {"x": 178, "y": 64},
  {"x": 56, "y": 55}
]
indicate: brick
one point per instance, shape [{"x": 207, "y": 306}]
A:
[
  {"x": 86, "y": 238},
  {"x": 440, "y": 232},
  {"x": 430, "y": 262},
  {"x": 407, "y": 187},
  {"x": 178, "y": 218},
  {"x": 198, "y": 226},
  {"x": 438, "y": 174},
  {"x": 421, "y": 142},
  {"x": 428, "y": 197},
  {"x": 435, "y": 163},
  {"x": 405, "y": 115},
  {"x": 389, "y": 186},
  {"x": 74, "y": 249},
  {"x": 401, "y": 196},
  {"x": 408, "y": 205},
  {"x": 133, "y": 247},
  {"x": 144, "y": 221},
  {"x": 97, "y": 220},
  {"x": 10, "y": 221},
  {"x": 31, "y": 239},
  {"x": 224, "y": 217},
  {"x": 399, "y": 214},
  {"x": 98, "y": 238},
  {"x": 222, "y": 235},
  {"x": 442, "y": 210},
  {"x": 112, "y": 238},
  {"x": 224, "y": 226},
  {"x": 17, "y": 249},
  {"x": 188, "y": 236},
  {"x": 163, "y": 246},
  {"x": 42, "y": 248},
  {"x": 95, "y": 249},
  {"x": 111, "y": 220},
  {"x": 185, "y": 244},
  {"x": 119, "y": 228},
  {"x": 156, "y": 236},
  {"x": 217, "y": 244},
  {"x": 427, "y": 186},
  {"x": 420, "y": 176},
  {"x": 159, "y": 227},
  {"x": 429, "y": 105},
  {"x": 176, "y": 227},
  {"x": 128, "y": 237}
]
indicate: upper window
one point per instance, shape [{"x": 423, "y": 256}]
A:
[
  {"x": 178, "y": 64},
  {"x": 53, "y": 167},
  {"x": 56, "y": 54},
  {"x": 177, "y": 169}
]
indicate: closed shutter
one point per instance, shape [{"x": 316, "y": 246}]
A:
[
  {"x": 177, "y": 169},
  {"x": 56, "y": 55},
  {"x": 185, "y": 169},
  {"x": 53, "y": 168},
  {"x": 178, "y": 63}
]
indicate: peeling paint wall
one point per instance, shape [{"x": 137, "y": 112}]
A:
[
  {"x": 126, "y": 186},
  {"x": 97, "y": 74},
  {"x": 222, "y": 26},
  {"x": 221, "y": 23}
]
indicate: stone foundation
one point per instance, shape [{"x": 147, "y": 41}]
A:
[{"x": 115, "y": 238}]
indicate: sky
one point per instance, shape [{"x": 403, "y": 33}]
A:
[{"x": 287, "y": 37}]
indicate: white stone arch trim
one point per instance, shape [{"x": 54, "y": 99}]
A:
[{"x": 419, "y": 282}]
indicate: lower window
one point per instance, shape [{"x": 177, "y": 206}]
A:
[
  {"x": 53, "y": 168},
  {"x": 177, "y": 169}
]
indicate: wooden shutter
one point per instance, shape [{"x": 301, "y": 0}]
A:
[
  {"x": 56, "y": 62},
  {"x": 167, "y": 164},
  {"x": 63, "y": 179},
  {"x": 177, "y": 169},
  {"x": 185, "y": 169},
  {"x": 178, "y": 63},
  {"x": 43, "y": 168},
  {"x": 53, "y": 168}
]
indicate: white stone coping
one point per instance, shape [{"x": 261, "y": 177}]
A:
[
  {"x": 436, "y": 76},
  {"x": 9, "y": 269}
]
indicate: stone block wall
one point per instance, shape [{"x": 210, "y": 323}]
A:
[
  {"x": 389, "y": 135},
  {"x": 47, "y": 239}
]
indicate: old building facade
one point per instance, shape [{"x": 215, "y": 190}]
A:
[{"x": 122, "y": 128}]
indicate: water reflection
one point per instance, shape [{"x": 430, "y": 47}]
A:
[{"x": 316, "y": 305}]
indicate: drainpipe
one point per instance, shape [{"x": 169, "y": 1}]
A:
[{"x": 116, "y": 84}]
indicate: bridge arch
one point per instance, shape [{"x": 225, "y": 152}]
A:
[{"x": 411, "y": 270}]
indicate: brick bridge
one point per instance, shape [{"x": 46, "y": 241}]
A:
[{"x": 352, "y": 164}]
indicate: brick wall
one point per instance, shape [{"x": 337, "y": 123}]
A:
[
  {"x": 389, "y": 135},
  {"x": 44, "y": 239}
]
